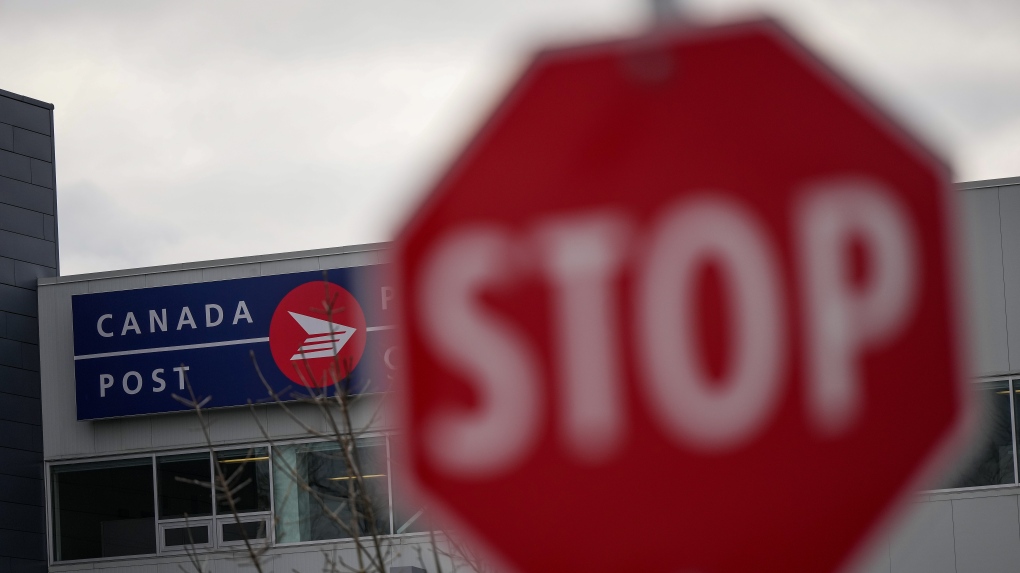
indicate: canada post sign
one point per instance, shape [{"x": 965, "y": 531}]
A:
[{"x": 135, "y": 349}]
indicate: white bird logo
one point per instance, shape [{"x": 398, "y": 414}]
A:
[{"x": 326, "y": 338}]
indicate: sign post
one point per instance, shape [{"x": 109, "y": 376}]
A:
[{"x": 686, "y": 303}]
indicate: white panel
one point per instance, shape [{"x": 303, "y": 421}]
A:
[
  {"x": 230, "y": 272},
  {"x": 123, "y": 435},
  {"x": 115, "y": 284},
  {"x": 876, "y": 562},
  {"x": 349, "y": 260},
  {"x": 173, "y": 278},
  {"x": 984, "y": 271},
  {"x": 237, "y": 424},
  {"x": 366, "y": 412},
  {"x": 176, "y": 430},
  {"x": 312, "y": 560},
  {"x": 173, "y": 566},
  {"x": 1009, "y": 224},
  {"x": 987, "y": 532},
  {"x": 289, "y": 266},
  {"x": 63, "y": 434},
  {"x": 288, "y": 423},
  {"x": 925, "y": 542}
]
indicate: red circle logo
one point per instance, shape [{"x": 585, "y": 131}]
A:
[{"x": 317, "y": 334}]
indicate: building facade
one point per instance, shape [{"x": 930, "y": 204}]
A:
[
  {"x": 127, "y": 493},
  {"x": 123, "y": 486},
  {"x": 28, "y": 251}
]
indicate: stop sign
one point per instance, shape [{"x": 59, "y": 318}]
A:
[{"x": 685, "y": 303}]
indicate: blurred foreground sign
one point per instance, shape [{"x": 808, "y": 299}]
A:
[{"x": 686, "y": 303}]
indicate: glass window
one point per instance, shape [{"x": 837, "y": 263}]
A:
[
  {"x": 233, "y": 531},
  {"x": 408, "y": 517},
  {"x": 184, "y": 485},
  {"x": 314, "y": 489},
  {"x": 103, "y": 509},
  {"x": 991, "y": 461},
  {"x": 186, "y": 535},
  {"x": 247, "y": 475}
]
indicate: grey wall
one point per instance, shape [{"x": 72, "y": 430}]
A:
[
  {"x": 991, "y": 229},
  {"x": 28, "y": 250}
]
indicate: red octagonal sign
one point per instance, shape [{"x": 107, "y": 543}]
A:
[{"x": 685, "y": 304}]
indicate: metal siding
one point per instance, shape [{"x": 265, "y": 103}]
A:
[
  {"x": 25, "y": 248},
  {"x": 288, "y": 424},
  {"x": 1009, "y": 221},
  {"x": 925, "y": 542},
  {"x": 115, "y": 284},
  {"x": 236, "y": 425},
  {"x": 348, "y": 260},
  {"x": 176, "y": 430},
  {"x": 311, "y": 560},
  {"x": 268, "y": 268},
  {"x": 63, "y": 434},
  {"x": 985, "y": 281},
  {"x": 987, "y": 534},
  {"x": 173, "y": 278},
  {"x": 26, "y": 195},
  {"x": 122, "y": 436},
  {"x": 876, "y": 562},
  {"x": 22, "y": 463},
  {"x": 231, "y": 272}
]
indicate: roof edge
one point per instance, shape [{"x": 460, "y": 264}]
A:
[
  {"x": 214, "y": 263},
  {"x": 986, "y": 183},
  {"x": 26, "y": 99}
]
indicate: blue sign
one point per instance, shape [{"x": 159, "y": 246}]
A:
[{"x": 134, "y": 350}]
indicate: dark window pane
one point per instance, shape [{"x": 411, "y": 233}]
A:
[
  {"x": 247, "y": 475},
  {"x": 103, "y": 509},
  {"x": 179, "y": 494},
  {"x": 991, "y": 461},
  {"x": 251, "y": 529},
  {"x": 193, "y": 535},
  {"x": 315, "y": 493}
]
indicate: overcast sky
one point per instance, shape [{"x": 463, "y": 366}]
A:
[{"x": 197, "y": 130}]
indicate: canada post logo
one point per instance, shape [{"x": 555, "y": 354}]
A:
[
  {"x": 135, "y": 350},
  {"x": 318, "y": 334}
]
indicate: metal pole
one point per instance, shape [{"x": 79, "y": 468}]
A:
[{"x": 665, "y": 12}]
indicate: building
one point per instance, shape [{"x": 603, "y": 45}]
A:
[
  {"x": 108, "y": 475},
  {"x": 123, "y": 457},
  {"x": 129, "y": 465},
  {"x": 28, "y": 251}
]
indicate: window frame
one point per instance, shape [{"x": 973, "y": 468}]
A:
[
  {"x": 1013, "y": 384},
  {"x": 216, "y": 519}
]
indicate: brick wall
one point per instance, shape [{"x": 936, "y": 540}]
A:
[{"x": 28, "y": 250}]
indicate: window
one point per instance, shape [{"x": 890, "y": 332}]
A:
[
  {"x": 184, "y": 485},
  {"x": 312, "y": 484},
  {"x": 103, "y": 509},
  {"x": 249, "y": 470},
  {"x": 247, "y": 475},
  {"x": 162, "y": 503},
  {"x": 993, "y": 457}
]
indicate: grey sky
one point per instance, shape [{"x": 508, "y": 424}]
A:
[{"x": 190, "y": 131}]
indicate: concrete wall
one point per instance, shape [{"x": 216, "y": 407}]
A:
[{"x": 28, "y": 250}]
